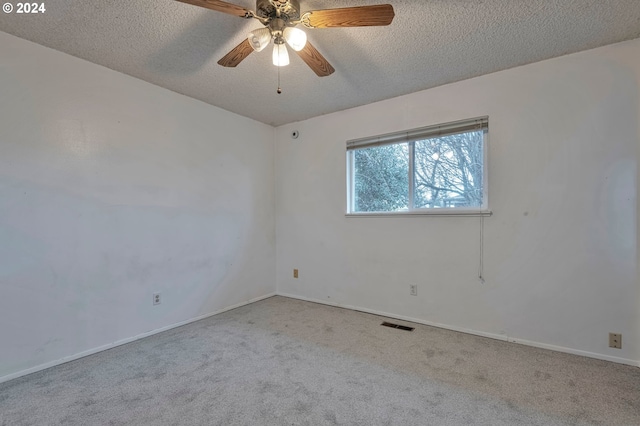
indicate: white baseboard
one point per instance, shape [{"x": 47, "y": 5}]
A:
[
  {"x": 470, "y": 331},
  {"x": 125, "y": 341},
  {"x": 576, "y": 352},
  {"x": 323, "y": 302}
]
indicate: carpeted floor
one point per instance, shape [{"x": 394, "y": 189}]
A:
[{"x": 286, "y": 362}]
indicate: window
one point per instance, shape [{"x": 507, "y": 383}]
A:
[{"x": 435, "y": 169}]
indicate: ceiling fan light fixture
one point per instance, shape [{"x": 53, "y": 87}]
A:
[
  {"x": 280, "y": 55},
  {"x": 295, "y": 37},
  {"x": 259, "y": 39},
  {"x": 281, "y": 16}
]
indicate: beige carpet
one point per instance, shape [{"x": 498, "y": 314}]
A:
[{"x": 287, "y": 362}]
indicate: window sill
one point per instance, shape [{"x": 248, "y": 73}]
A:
[{"x": 438, "y": 212}]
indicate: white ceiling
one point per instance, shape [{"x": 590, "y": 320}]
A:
[{"x": 430, "y": 43}]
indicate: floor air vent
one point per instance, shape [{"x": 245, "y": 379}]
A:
[{"x": 398, "y": 326}]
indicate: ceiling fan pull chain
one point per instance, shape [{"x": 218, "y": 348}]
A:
[{"x": 279, "y": 89}]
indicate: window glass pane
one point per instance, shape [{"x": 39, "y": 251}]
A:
[
  {"x": 448, "y": 171},
  {"x": 381, "y": 178}
]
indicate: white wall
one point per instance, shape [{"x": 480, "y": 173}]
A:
[
  {"x": 561, "y": 248},
  {"x": 112, "y": 189}
]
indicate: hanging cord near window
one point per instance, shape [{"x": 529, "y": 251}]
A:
[{"x": 481, "y": 260}]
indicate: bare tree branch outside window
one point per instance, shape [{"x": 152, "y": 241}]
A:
[{"x": 447, "y": 173}]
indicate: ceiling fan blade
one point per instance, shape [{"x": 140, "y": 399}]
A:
[
  {"x": 361, "y": 16},
  {"x": 237, "y": 54},
  {"x": 315, "y": 60},
  {"x": 221, "y": 6}
]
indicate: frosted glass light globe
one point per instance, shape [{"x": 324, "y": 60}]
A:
[
  {"x": 295, "y": 37},
  {"x": 259, "y": 39},
  {"x": 280, "y": 55}
]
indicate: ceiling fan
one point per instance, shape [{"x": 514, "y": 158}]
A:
[{"x": 280, "y": 18}]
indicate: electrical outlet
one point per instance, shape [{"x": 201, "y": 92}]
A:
[
  {"x": 156, "y": 299},
  {"x": 615, "y": 340},
  {"x": 295, "y": 273},
  {"x": 413, "y": 289}
]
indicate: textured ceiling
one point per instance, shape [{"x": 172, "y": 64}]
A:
[{"x": 429, "y": 43}]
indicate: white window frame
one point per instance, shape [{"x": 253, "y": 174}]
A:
[{"x": 410, "y": 136}]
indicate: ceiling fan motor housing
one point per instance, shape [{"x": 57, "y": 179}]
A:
[{"x": 289, "y": 9}]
